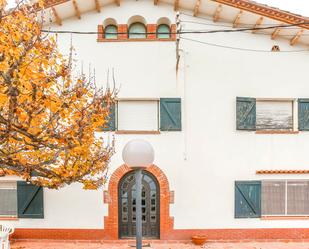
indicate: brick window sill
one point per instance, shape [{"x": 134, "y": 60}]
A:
[
  {"x": 8, "y": 218},
  {"x": 123, "y": 132},
  {"x": 285, "y": 218},
  {"x": 137, "y": 40},
  {"x": 275, "y": 132}
]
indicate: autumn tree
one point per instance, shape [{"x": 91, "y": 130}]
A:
[{"x": 48, "y": 116}]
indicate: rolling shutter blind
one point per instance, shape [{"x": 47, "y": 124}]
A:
[
  {"x": 247, "y": 199},
  {"x": 245, "y": 113},
  {"x": 273, "y": 197},
  {"x": 30, "y": 200},
  {"x": 170, "y": 114},
  {"x": 8, "y": 199},
  {"x": 111, "y": 124},
  {"x": 297, "y": 197},
  {"x": 303, "y": 114},
  {"x": 140, "y": 115}
]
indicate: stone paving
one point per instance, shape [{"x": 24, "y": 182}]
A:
[{"x": 41, "y": 244}]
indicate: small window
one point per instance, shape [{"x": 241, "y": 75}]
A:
[
  {"x": 8, "y": 197},
  {"x": 137, "y": 30},
  {"x": 163, "y": 31},
  {"x": 266, "y": 114},
  {"x": 285, "y": 197},
  {"x": 141, "y": 115},
  {"x": 111, "y": 32},
  {"x": 274, "y": 115}
]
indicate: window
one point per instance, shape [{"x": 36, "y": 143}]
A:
[
  {"x": 285, "y": 198},
  {"x": 137, "y": 30},
  {"x": 163, "y": 31},
  {"x": 267, "y": 114},
  {"x": 8, "y": 197},
  {"x": 111, "y": 32},
  {"x": 145, "y": 115},
  {"x": 274, "y": 115},
  {"x": 254, "y": 199},
  {"x": 139, "y": 115},
  {"x": 21, "y": 199}
]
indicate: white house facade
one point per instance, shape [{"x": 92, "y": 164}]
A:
[{"x": 226, "y": 110}]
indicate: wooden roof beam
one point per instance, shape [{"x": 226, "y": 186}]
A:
[
  {"x": 237, "y": 18},
  {"x": 57, "y": 17},
  {"x": 257, "y": 24},
  {"x": 118, "y": 2},
  {"x": 176, "y": 5},
  {"x": 197, "y": 7},
  {"x": 216, "y": 16},
  {"x": 155, "y": 2},
  {"x": 97, "y": 6},
  {"x": 295, "y": 39},
  {"x": 77, "y": 11},
  {"x": 275, "y": 33}
]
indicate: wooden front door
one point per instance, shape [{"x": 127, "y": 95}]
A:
[{"x": 150, "y": 206}]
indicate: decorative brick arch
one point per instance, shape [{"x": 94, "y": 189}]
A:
[{"x": 111, "y": 221}]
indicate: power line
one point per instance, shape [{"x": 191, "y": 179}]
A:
[
  {"x": 242, "y": 49},
  {"x": 180, "y": 32}
]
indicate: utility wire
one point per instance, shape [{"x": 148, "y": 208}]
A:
[
  {"x": 242, "y": 49},
  {"x": 180, "y": 32}
]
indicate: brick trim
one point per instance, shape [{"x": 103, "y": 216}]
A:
[
  {"x": 259, "y": 234},
  {"x": 283, "y": 171},
  {"x": 218, "y": 235},
  {"x": 111, "y": 221},
  {"x": 123, "y": 29},
  {"x": 152, "y": 29}
]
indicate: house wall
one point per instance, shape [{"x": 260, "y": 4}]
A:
[{"x": 208, "y": 155}]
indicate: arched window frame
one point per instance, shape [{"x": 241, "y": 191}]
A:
[
  {"x": 164, "y": 36},
  {"x": 111, "y": 36},
  {"x": 143, "y": 34}
]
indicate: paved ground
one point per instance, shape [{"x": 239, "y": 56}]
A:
[{"x": 155, "y": 245}]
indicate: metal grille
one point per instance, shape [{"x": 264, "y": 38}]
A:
[
  {"x": 8, "y": 199},
  {"x": 298, "y": 198},
  {"x": 273, "y": 197},
  {"x": 285, "y": 197}
]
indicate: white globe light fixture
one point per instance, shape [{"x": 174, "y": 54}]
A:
[{"x": 138, "y": 154}]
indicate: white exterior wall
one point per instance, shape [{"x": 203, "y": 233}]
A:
[{"x": 203, "y": 161}]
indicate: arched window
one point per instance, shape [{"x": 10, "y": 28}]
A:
[
  {"x": 163, "y": 31},
  {"x": 137, "y": 30},
  {"x": 111, "y": 32}
]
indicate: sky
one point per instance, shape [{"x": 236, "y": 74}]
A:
[{"x": 295, "y": 6}]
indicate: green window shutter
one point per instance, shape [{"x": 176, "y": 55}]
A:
[
  {"x": 111, "y": 124},
  {"x": 246, "y": 113},
  {"x": 170, "y": 114},
  {"x": 303, "y": 114},
  {"x": 247, "y": 199},
  {"x": 29, "y": 200}
]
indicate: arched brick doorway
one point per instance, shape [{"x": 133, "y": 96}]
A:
[{"x": 111, "y": 226}]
